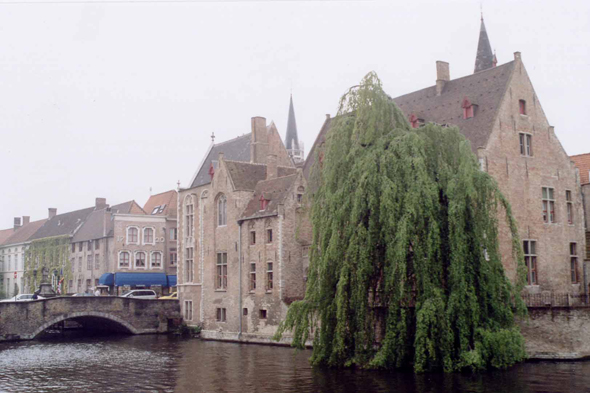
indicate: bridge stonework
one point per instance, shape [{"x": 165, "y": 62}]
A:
[{"x": 25, "y": 320}]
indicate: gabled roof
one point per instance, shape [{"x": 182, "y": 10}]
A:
[
  {"x": 24, "y": 233},
  {"x": 245, "y": 175},
  {"x": 99, "y": 224},
  {"x": 62, "y": 224},
  {"x": 274, "y": 190},
  {"x": 163, "y": 204},
  {"x": 237, "y": 149},
  {"x": 582, "y": 161},
  {"x": 5, "y": 234},
  {"x": 321, "y": 138}
]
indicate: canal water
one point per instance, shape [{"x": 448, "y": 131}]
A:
[{"x": 170, "y": 364}]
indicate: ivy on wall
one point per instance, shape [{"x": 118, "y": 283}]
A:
[{"x": 52, "y": 253}]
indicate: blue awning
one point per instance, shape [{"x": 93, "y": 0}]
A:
[
  {"x": 106, "y": 279},
  {"x": 171, "y": 281},
  {"x": 134, "y": 279}
]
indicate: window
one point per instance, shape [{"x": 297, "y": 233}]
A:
[
  {"x": 89, "y": 262},
  {"x": 97, "y": 261},
  {"x": 252, "y": 238},
  {"x": 548, "y": 205},
  {"x": 262, "y": 314},
  {"x": 252, "y": 276},
  {"x": 90, "y": 243},
  {"x": 73, "y": 247},
  {"x": 188, "y": 265},
  {"x": 173, "y": 257},
  {"x": 221, "y": 281},
  {"x": 79, "y": 284},
  {"x": 124, "y": 259},
  {"x": 73, "y": 264},
  {"x": 80, "y": 245},
  {"x": 570, "y": 207},
  {"x": 156, "y": 260},
  {"x": 173, "y": 234},
  {"x": 221, "y": 315},
  {"x": 269, "y": 284},
  {"x": 189, "y": 216},
  {"x": 522, "y": 107},
  {"x": 245, "y": 311},
  {"x": 158, "y": 209},
  {"x": 188, "y": 310},
  {"x": 526, "y": 144},
  {"x": 148, "y": 236},
  {"x": 299, "y": 198},
  {"x": 269, "y": 235},
  {"x": 132, "y": 235},
  {"x": 530, "y": 260},
  {"x": 140, "y": 260},
  {"x": 221, "y": 211},
  {"x": 95, "y": 282},
  {"x": 263, "y": 202},
  {"x": 97, "y": 244},
  {"x": 70, "y": 285},
  {"x": 80, "y": 263},
  {"x": 88, "y": 284},
  {"x": 574, "y": 263}
]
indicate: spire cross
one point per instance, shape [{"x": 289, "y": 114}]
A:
[{"x": 213, "y": 137}]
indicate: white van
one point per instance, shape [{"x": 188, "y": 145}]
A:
[{"x": 141, "y": 294}]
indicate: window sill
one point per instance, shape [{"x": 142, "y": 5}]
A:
[
  {"x": 221, "y": 290},
  {"x": 532, "y": 286},
  {"x": 268, "y": 291}
]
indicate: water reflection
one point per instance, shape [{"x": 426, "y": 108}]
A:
[{"x": 170, "y": 364}]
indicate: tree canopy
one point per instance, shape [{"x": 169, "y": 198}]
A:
[{"x": 405, "y": 268}]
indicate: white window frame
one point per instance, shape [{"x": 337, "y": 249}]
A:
[
  {"x": 533, "y": 256},
  {"x": 119, "y": 259},
  {"x": 152, "y": 266},
  {"x": 189, "y": 216},
  {"x": 549, "y": 201},
  {"x": 222, "y": 213},
  {"x": 127, "y": 234},
  {"x": 153, "y": 242},
  {"x": 135, "y": 260},
  {"x": 526, "y": 149},
  {"x": 188, "y": 310}
]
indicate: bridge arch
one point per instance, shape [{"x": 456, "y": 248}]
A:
[{"x": 94, "y": 314}]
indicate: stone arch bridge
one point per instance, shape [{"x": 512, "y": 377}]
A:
[{"x": 26, "y": 320}]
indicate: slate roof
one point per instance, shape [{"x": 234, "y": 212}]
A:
[
  {"x": 5, "y": 234},
  {"x": 321, "y": 138},
  {"x": 274, "y": 190},
  {"x": 99, "y": 224},
  {"x": 291, "y": 138},
  {"x": 24, "y": 233},
  {"x": 62, "y": 224},
  {"x": 246, "y": 175},
  {"x": 237, "y": 149},
  {"x": 167, "y": 201},
  {"x": 582, "y": 161},
  {"x": 484, "y": 59}
]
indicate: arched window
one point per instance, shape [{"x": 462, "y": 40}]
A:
[
  {"x": 140, "y": 260},
  {"x": 156, "y": 260},
  {"x": 124, "y": 260},
  {"x": 222, "y": 211},
  {"x": 132, "y": 235},
  {"x": 148, "y": 235},
  {"x": 189, "y": 214}
]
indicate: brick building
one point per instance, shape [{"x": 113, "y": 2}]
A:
[
  {"x": 498, "y": 111},
  {"x": 582, "y": 162},
  {"x": 241, "y": 258}
]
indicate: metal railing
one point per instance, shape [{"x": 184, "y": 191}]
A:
[{"x": 552, "y": 299}]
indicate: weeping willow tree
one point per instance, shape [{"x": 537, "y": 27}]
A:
[{"x": 405, "y": 267}]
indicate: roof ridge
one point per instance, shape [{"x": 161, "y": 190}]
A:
[
  {"x": 581, "y": 154},
  {"x": 276, "y": 178},
  {"x": 160, "y": 193},
  {"x": 233, "y": 139}
]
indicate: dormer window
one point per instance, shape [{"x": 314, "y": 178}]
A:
[
  {"x": 263, "y": 202},
  {"x": 415, "y": 122},
  {"x": 467, "y": 108},
  {"x": 211, "y": 171},
  {"x": 522, "y": 107}
]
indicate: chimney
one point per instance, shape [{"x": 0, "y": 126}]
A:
[
  {"x": 517, "y": 56},
  {"x": 100, "y": 203},
  {"x": 26, "y": 220},
  {"x": 16, "y": 223},
  {"x": 259, "y": 144},
  {"x": 271, "y": 166},
  {"x": 52, "y": 212},
  {"x": 443, "y": 75}
]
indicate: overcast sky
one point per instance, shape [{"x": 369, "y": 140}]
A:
[{"x": 112, "y": 99}]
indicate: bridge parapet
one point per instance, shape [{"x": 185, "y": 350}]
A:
[{"x": 25, "y": 320}]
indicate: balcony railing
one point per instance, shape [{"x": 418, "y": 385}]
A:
[{"x": 552, "y": 299}]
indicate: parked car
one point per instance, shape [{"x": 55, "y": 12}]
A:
[
  {"x": 141, "y": 294},
  {"x": 172, "y": 296},
  {"x": 24, "y": 297}
]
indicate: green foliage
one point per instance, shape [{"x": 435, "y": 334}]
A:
[
  {"x": 52, "y": 253},
  {"x": 405, "y": 248}
]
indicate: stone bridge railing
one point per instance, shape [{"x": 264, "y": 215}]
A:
[{"x": 26, "y": 320}]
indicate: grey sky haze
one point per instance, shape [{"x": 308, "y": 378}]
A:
[{"x": 110, "y": 99}]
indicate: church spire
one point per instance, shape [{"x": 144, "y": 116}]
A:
[
  {"x": 292, "y": 144},
  {"x": 485, "y": 57}
]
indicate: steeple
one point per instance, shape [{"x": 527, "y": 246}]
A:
[
  {"x": 292, "y": 144},
  {"x": 485, "y": 58}
]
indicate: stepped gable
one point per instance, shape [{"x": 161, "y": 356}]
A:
[
  {"x": 484, "y": 89},
  {"x": 165, "y": 202},
  {"x": 582, "y": 162},
  {"x": 246, "y": 175},
  {"x": 274, "y": 190},
  {"x": 24, "y": 233},
  {"x": 63, "y": 224},
  {"x": 237, "y": 149}
]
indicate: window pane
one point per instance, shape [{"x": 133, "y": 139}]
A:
[
  {"x": 526, "y": 247},
  {"x": 533, "y": 246},
  {"x": 550, "y": 193}
]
